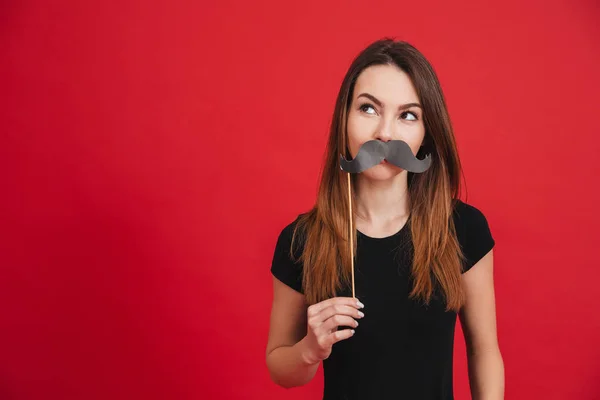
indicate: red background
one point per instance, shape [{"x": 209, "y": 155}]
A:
[{"x": 151, "y": 153}]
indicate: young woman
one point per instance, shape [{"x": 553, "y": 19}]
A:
[{"x": 422, "y": 256}]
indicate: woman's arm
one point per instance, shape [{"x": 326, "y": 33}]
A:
[
  {"x": 478, "y": 321},
  {"x": 286, "y": 348}
]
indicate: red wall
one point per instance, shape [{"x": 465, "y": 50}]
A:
[{"x": 151, "y": 153}]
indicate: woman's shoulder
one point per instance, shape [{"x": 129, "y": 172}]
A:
[
  {"x": 468, "y": 216},
  {"x": 286, "y": 264},
  {"x": 288, "y": 230},
  {"x": 473, "y": 231}
]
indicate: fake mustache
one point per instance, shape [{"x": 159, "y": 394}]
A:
[{"x": 373, "y": 152}]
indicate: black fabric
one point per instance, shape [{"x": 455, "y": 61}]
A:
[{"x": 402, "y": 349}]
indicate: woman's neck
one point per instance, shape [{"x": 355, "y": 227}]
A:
[{"x": 380, "y": 203}]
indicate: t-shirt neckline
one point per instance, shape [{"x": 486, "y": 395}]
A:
[{"x": 393, "y": 235}]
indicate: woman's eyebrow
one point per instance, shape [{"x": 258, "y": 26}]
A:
[{"x": 376, "y": 101}]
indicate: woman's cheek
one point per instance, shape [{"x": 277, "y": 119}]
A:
[
  {"x": 416, "y": 139},
  {"x": 354, "y": 139}
]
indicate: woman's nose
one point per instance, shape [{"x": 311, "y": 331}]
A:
[{"x": 384, "y": 131}]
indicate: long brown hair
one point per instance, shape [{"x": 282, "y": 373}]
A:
[{"x": 436, "y": 254}]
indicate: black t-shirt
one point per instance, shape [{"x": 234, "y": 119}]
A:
[{"x": 401, "y": 349}]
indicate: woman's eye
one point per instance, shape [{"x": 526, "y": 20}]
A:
[
  {"x": 365, "y": 107},
  {"x": 409, "y": 116}
]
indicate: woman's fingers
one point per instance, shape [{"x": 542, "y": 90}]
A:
[
  {"x": 348, "y": 301},
  {"x": 337, "y": 336},
  {"x": 323, "y": 320},
  {"x": 332, "y": 323},
  {"x": 339, "y": 309}
]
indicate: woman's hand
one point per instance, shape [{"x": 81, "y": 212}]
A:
[{"x": 324, "y": 318}]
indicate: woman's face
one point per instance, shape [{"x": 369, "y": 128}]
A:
[{"x": 384, "y": 107}]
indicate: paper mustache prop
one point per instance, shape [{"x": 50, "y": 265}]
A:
[{"x": 372, "y": 153}]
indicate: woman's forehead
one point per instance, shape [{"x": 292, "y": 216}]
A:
[{"x": 389, "y": 84}]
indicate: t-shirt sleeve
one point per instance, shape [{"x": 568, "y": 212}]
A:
[
  {"x": 283, "y": 267},
  {"x": 473, "y": 233}
]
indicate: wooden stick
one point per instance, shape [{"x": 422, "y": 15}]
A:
[{"x": 351, "y": 233}]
